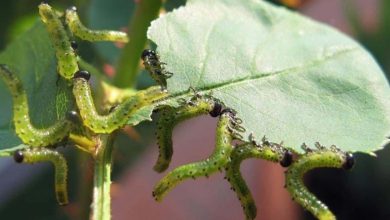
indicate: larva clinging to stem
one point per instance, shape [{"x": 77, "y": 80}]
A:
[
  {"x": 60, "y": 166},
  {"x": 264, "y": 150},
  {"x": 322, "y": 157},
  {"x": 120, "y": 115},
  {"x": 24, "y": 128},
  {"x": 66, "y": 57},
  {"x": 78, "y": 29},
  {"x": 170, "y": 117},
  {"x": 156, "y": 68},
  {"x": 216, "y": 161}
]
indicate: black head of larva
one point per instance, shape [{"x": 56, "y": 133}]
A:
[
  {"x": 287, "y": 159},
  {"x": 18, "y": 156},
  {"x": 72, "y": 116},
  {"x": 82, "y": 74},
  {"x": 349, "y": 161},
  {"x": 74, "y": 45},
  {"x": 217, "y": 109},
  {"x": 148, "y": 53}
]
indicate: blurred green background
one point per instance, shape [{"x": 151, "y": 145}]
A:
[{"x": 26, "y": 192}]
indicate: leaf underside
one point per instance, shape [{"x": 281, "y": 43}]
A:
[{"x": 289, "y": 78}]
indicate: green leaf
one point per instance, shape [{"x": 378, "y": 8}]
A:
[
  {"x": 289, "y": 78},
  {"x": 8, "y": 140},
  {"x": 143, "y": 114},
  {"x": 32, "y": 58}
]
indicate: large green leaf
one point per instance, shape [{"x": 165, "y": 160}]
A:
[
  {"x": 289, "y": 78},
  {"x": 32, "y": 58}
]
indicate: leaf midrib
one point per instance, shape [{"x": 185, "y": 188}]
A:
[{"x": 254, "y": 77}]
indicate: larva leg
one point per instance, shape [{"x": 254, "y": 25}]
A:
[
  {"x": 120, "y": 114},
  {"x": 322, "y": 157},
  {"x": 24, "y": 129},
  {"x": 170, "y": 117},
  {"x": 216, "y": 161},
  {"x": 61, "y": 168},
  {"x": 78, "y": 29},
  {"x": 268, "y": 151},
  {"x": 66, "y": 57}
]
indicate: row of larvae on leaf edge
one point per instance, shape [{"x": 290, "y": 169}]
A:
[
  {"x": 227, "y": 130},
  {"x": 224, "y": 156},
  {"x": 225, "y": 133},
  {"x": 229, "y": 158}
]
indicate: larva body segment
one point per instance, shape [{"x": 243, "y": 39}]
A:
[
  {"x": 120, "y": 114},
  {"x": 78, "y": 29},
  {"x": 332, "y": 158},
  {"x": 37, "y": 155},
  {"x": 155, "y": 68},
  {"x": 165, "y": 125},
  {"x": 66, "y": 57},
  {"x": 169, "y": 118},
  {"x": 216, "y": 161},
  {"x": 24, "y": 129},
  {"x": 234, "y": 177}
]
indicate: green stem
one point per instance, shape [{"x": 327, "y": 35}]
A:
[
  {"x": 84, "y": 185},
  {"x": 127, "y": 69},
  {"x": 101, "y": 205}
]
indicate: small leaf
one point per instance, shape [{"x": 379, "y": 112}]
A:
[
  {"x": 32, "y": 58},
  {"x": 289, "y": 78}
]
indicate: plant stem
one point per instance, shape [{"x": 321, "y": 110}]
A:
[
  {"x": 101, "y": 205},
  {"x": 85, "y": 179},
  {"x": 127, "y": 69}
]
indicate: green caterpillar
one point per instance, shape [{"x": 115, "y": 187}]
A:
[
  {"x": 77, "y": 28},
  {"x": 35, "y": 137},
  {"x": 61, "y": 168},
  {"x": 322, "y": 157},
  {"x": 156, "y": 68},
  {"x": 216, "y": 161},
  {"x": 66, "y": 57},
  {"x": 119, "y": 116},
  {"x": 170, "y": 117},
  {"x": 266, "y": 150}
]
